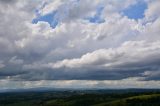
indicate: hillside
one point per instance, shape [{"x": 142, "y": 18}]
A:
[
  {"x": 81, "y": 98},
  {"x": 141, "y": 100}
]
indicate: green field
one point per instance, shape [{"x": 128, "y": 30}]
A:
[
  {"x": 80, "y": 98},
  {"x": 141, "y": 100}
]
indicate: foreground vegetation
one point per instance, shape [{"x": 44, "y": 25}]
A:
[{"x": 80, "y": 98}]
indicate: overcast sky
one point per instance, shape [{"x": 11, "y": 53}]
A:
[{"x": 79, "y": 44}]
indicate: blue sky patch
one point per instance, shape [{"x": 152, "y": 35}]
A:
[
  {"x": 135, "y": 11},
  {"x": 47, "y": 18},
  {"x": 97, "y": 17}
]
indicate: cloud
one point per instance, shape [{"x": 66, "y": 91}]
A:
[
  {"x": 78, "y": 84},
  {"x": 129, "y": 60},
  {"x": 14, "y": 60},
  {"x": 1, "y": 64},
  {"x": 118, "y": 48},
  {"x": 70, "y": 10},
  {"x": 153, "y": 8},
  {"x": 50, "y": 6},
  {"x": 130, "y": 52},
  {"x": 151, "y": 75}
]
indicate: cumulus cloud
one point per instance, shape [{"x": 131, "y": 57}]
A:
[
  {"x": 153, "y": 8},
  {"x": 77, "y": 48},
  {"x": 129, "y": 60},
  {"x": 71, "y": 9},
  {"x": 130, "y": 52}
]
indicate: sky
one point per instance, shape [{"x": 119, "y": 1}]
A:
[{"x": 79, "y": 44}]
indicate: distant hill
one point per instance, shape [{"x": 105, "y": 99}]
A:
[{"x": 45, "y": 89}]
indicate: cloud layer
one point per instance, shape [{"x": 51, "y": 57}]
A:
[{"x": 79, "y": 40}]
